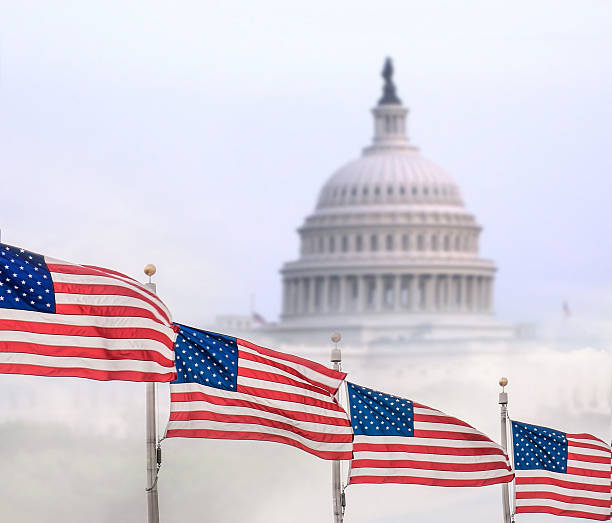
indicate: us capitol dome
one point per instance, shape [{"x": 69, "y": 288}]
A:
[{"x": 390, "y": 253}]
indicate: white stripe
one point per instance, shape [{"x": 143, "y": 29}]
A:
[
  {"x": 604, "y": 453},
  {"x": 307, "y": 372},
  {"x": 588, "y": 480},
  {"x": 86, "y": 321},
  {"x": 587, "y": 465},
  {"x": 425, "y": 473},
  {"x": 248, "y": 427},
  {"x": 562, "y": 506},
  {"x": 538, "y": 487},
  {"x": 244, "y": 363},
  {"x": 281, "y": 387},
  {"x": 107, "y": 301},
  {"x": 402, "y": 440},
  {"x": 434, "y": 458},
  {"x": 103, "y": 279},
  {"x": 130, "y": 282},
  {"x": 86, "y": 363},
  {"x": 425, "y": 425},
  {"x": 271, "y": 403},
  {"x": 54, "y": 340},
  {"x": 247, "y": 411}
]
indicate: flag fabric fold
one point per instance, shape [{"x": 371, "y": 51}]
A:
[
  {"x": 67, "y": 320},
  {"x": 400, "y": 441},
  {"x": 561, "y": 473},
  {"x": 229, "y": 388}
]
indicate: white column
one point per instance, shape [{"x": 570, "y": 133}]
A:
[
  {"x": 325, "y": 295},
  {"x": 380, "y": 292},
  {"x": 397, "y": 292}
]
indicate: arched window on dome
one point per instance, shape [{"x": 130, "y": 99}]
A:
[
  {"x": 447, "y": 243},
  {"x": 466, "y": 243},
  {"x": 402, "y": 190},
  {"x": 365, "y": 191},
  {"x": 332, "y": 244},
  {"x": 358, "y": 243},
  {"x": 390, "y": 190},
  {"x": 373, "y": 243},
  {"x": 425, "y": 191},
  {"x": 434, "y": 242},
  {"x": 354, "y": 191},
  {"x": 414, "y": 191},
  {"x": 377, "y": 191},
  {"x": 321, "y": 243},
  {"x": 406, "y": 242},
  {"x": 389, "y": 242},
  {"x": 345, "y": 243},
  {"x": 420, "y": 242}
]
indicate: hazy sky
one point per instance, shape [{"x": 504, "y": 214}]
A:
[{"x": 196, "y": 136}]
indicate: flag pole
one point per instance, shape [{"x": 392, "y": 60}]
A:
[
  {"x": 503, "y": 402},
  {"x": 153, "y": 454},
  {"x": 337, "y": 492}
]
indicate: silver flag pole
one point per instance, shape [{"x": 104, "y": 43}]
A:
[
  {"x": 337, "y": 492},
  {"x": 153, "y": 454},
  {"x": 503, "y": 402}
]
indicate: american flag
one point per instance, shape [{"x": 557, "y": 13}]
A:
[
  {"x": 400, "y": 441},
  {"x": 62, "y": 319},
  {"x": 228, "y": 388},
  {"x": 560, "y": 473}
]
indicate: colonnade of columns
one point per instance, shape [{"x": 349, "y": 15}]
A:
[{"x": 387, "y": 293}]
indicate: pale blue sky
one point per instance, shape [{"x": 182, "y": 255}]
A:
[{"x": 197, "y": 135}]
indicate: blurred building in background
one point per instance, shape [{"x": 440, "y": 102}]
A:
[{"x": 390, "y": 253}]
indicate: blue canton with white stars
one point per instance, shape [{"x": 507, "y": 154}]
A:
[
  {"x": 375, "y": 413},
  {"x": 538, "y": 447},
  {"x": 206, "y": 358},
  {"x": 25, "y": 281}
]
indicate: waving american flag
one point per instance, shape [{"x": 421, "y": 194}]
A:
[
  {"x": 228, "y": 388},
  {"x": 401, "y": 441},
  {"x": 62, "y": 319},
  {"x": 561, "y": 473}
]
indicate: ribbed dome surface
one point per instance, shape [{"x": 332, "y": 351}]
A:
[{"x": 390, "y": 176}]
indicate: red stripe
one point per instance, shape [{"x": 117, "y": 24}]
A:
[
  {"x": 84, "y": 352},
  {"x": 575, "y": 500},
  {"x": 428, "y": 449},
  {"x": 240, "y": 435},
  {"x": 318, "y": 387},
  {"x": 90, "y": 270},
  {"x": 264, "y": 422},
  {"x": 177, "y": 397},
  {"x": 589, "y": 473},
  {"x": 430, "y": 418},
  {"x": 447, "y": 434},
  {"x": 107, "y": 311},
  {"x": 584, "y": 445},
  {"x": 331, "y": 373},
  {"x": 286, "y": 396},
  {"x": 588, "y": 458},
  {"x": 115, "y": 333},
  {"x": 106, "y": 290},
  {"x": 76, "y": 372},
  {"x": 427, "y": 465},
  {"x": 560, "y": 512},
  {"x": 585, "y": 436},
  {"x": 278, "y": 378},
  {"x": 561, "y": 483},
  {"x": 436, "y": 482}
]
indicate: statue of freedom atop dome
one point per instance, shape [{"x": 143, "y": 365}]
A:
[{"x": 389, "y": 96}]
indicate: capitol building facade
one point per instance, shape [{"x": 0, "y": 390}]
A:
[{"x": 390, "y": 254}]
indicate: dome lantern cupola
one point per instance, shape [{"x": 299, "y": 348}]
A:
[{"x": 389, "y": 117}]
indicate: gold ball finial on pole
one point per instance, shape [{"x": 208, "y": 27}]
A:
[
  {"x": 150, "y": 270},
  {"x": 503, "y": 381},
  {"x": 336, "y": 337}
]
